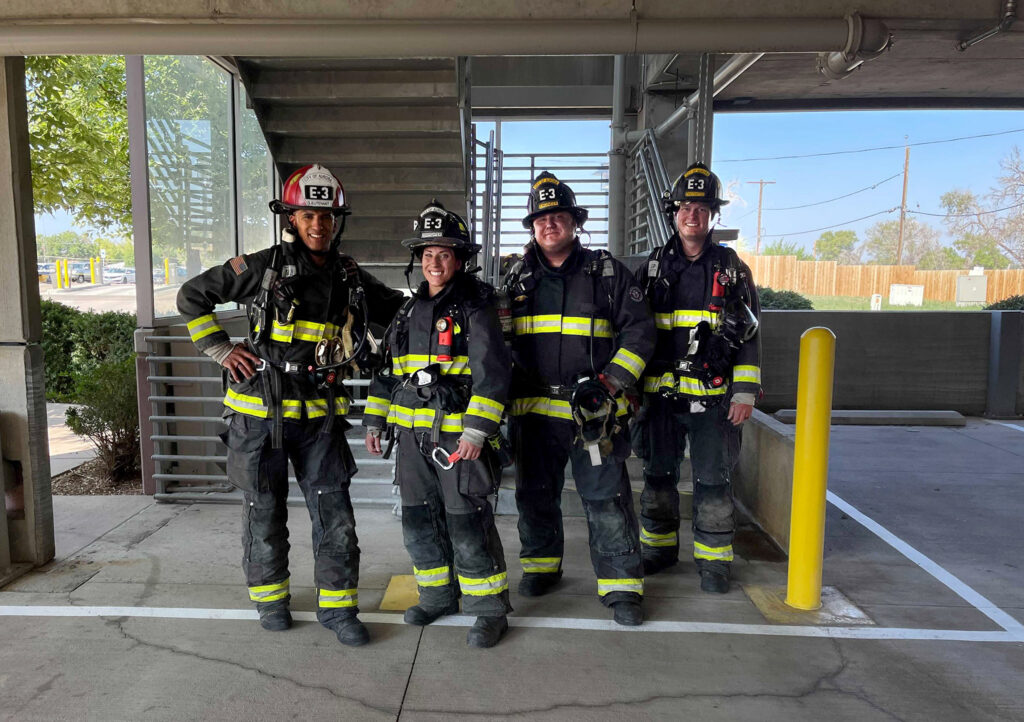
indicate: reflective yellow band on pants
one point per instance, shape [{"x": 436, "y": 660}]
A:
[
  {"x": 333, "y": 598},
  {"x": 437, "y": 577},
  {"x": 652, "y": 539},
  {"x": 483, "y": 586},
  {"x": 541, "y": 565},
  {"x": 746, "y": 374},
  {"x": 269, "y": 592},
  {"x": 555, "y": 408},
  {"x": 422, "y": 419},
  {"x": 718, "y": 554},
  {"x": 203, "y": 326},
  {"x": 607, "y": 586},
  {"x": 244, "y": 404}
]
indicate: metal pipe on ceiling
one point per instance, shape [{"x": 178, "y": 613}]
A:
[
  {"x": 866, "y": 40},
  {"x": 425, "y": 39},
  {"x": 1008, "y": 18}
]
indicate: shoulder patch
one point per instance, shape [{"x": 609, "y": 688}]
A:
[
  {"x": 635, "y": 294},
  {"x": 238, "y": 265}
]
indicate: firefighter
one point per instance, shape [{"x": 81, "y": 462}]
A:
[
  {"x": 701, "y": 383},
  {"x": 309, "y": 307},
  {"x": 448, "y": 386},
  {"x": 582, "y": 334}
]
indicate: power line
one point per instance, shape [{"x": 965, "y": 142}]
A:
[
  {"x": 821, "y": 203},
  {"x": 967, "y": 215},
  {"x": 837, "y": 225},
  {"x": 870, "y": 150}
]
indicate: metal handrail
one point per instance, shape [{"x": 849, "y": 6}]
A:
[{"x": 648, "y": 227}]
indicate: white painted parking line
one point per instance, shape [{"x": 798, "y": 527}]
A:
[
  {"x": 1008, "y": 425},
  {"x": 594, "y": 625},
  {"x": 958, "y": 587}
]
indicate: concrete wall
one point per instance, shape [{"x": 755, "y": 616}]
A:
[
  {"x": 886, "y": 359},
  {"x": 763, "y": 479}
]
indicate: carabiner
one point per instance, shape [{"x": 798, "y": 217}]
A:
[{"x": 449, "y": 459}]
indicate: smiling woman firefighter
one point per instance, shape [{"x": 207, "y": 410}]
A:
[
  {"x": 442, "y": 399},
  {"x": 309, "y": 310}
]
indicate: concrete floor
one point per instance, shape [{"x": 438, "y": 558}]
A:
[{"x": 945, "y": 647}]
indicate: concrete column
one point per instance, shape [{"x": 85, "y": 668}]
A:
[
  {"x": 23, "y": 440},
  {"x": 1006, "y": 345}
]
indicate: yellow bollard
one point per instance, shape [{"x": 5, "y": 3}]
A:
[
  {"x": 167, "y": 271},
  {"x": 92, "y": 270},
  {"x": 67, "y": 273},
  {"x": 56, "y": 274},
  {"x": 810, "y": 468}
]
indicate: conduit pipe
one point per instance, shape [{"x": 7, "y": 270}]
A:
[
  {"x": 617, "y": 161},
  {"x": 359, "y": 39},
  {"x": 864, "y": 41},
  {"x": 1009, "y": 16}
]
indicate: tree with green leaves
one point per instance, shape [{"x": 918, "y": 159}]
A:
[
  {"x": 991, "y": 224},
  {"x": 78, "y": 138},
  {"x": 882, "y": 239},
  {"x": 782, "y": 247},
  {"x": 839, "y": 246}
]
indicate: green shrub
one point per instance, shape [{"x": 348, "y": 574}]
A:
[
  {"x": 103, "y": 337},
  {"x": 58, "y": 342},
  {"x": 109, "y": 415},
  {"x": 1013, "y": 303},
  {"x": 783, "y": 300}
]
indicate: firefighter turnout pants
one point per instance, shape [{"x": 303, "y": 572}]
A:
[
  {"x": 324, "y": 467},
  {"x": 448, "y": 527},
  {"x": 543, "y": 447},
  {"x": 660, "y": 434}
]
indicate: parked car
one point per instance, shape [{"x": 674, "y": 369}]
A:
[
  {"x": 118, "y": 274},
  {"x": 80, "y": 272},
  {"x": 46, "y": 272}
]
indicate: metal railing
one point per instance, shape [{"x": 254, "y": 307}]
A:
[
  {"x": 502, "y": 187},
  {"x": 647, "y": 227},
  {"x": 186, "y": 392}
]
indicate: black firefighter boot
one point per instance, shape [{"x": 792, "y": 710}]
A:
[
  {"x": 487, "y": 631},
  {"x": 351, "y": 632},
  {"x": 628, "y": 613},
  {"x": 422, "y": 615},
  {"x": 714, "y": 579},
  {"x": 275, "y": 617},
  {"x": 536, "y": 585}
]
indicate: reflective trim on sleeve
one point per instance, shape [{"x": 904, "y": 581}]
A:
[
  {"x": 376, "y": 406},
  {"x": 653, "y": 539},
  {"x": 607, "y": 586},
  {"x": 541, "y": 565},
  {"x": 269, "y": 592},
  {"x": 409, "y": 418},
  {"x": 485, "y": 407},
  {"x": 483, "y": 586},
  {"x": 746, "y": 374},
  {"x": 203, "y": 326},
  {"x": 437, "y": 577},
  {"x": 721, "y": 554},
  {"x": 249, "y": 405},
  {"x": 334, "y": 598},
  {"x": 682, "y": 318},
  {"x": 629, "y": 361}
]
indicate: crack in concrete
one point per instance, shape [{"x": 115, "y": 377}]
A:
[{"x": 118, "y": 625}]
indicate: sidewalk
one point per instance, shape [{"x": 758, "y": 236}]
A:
[
  {"x": 67, "y": 449},
  {"x": 144, "y": 615}
]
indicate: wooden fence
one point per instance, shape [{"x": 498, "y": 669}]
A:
[{"x": 827, "y": 278}]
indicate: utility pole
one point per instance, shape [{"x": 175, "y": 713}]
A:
[
  {"x": 760, "y": 199},
  {"x": 903, "y": 204}
]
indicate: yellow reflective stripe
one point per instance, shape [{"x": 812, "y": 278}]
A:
[
  {"x": 269, "y": 592},
  {"x": 629, "y": 361},
  {"x": 682, "y": 318},
  {"x": 607, "y": 586},
  {"x": 315, "y": 408},
  {"x": 404, "y": 365},
  {"x": 702, "y": 551},
  {"x": 291, "y": 408},
  {"x": 203, "y": 326},
  {"x": 543, "y": 406},
  {"x": 376, "y": 406},
  {"x": 334, "y": 598},
  {"x": 653, "y": 539},
  {"x": 437, "y": 577},
  {"x": 483, "y": 586},
  {"x": 685, "y": 385},
  {"x": 485, "y": 407},
  {"x": 746, "y": 374},
  {"x": 309, "y": 331},
  {"x": 251, "y": 405},
  {"x": 281, "y": 332},
  {"x": 567, "y": 325},
  {"x": 541, "y": 565},
  {"x": 409, "y": 418}
]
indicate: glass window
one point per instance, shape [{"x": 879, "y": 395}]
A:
[
  {"x": 188, "y": 135},
  {"x": 255, "y": 181}
]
